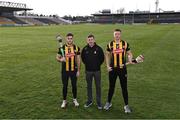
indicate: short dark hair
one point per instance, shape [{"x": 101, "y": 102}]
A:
[
  {"x": 90, "y": 35},
  {"x": 69, "y": 34},
  {"x": 118, "y": 30}
]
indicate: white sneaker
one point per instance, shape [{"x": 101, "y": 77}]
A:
[
  {"x": 88, "y": 104},
  {"x": 127, "y": 109},
  {"x": 107, "y": 105},
  {"x": 76, "y": 104},
  {"x": 64, "y": 103}
]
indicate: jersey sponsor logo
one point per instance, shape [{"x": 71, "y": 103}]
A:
[
  {"x": 70, "y": 55},
  {"x": 117, "y": 51}
]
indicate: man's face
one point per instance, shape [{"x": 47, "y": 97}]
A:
[
  {"x": 91, "y": 41},
  {"x": 117, "y": 35},
  {"x": 69, "y": 40}
]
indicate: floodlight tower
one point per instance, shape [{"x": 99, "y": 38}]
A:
[{"x": 157, "y": 4}]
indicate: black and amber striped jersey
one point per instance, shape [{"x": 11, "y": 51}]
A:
[
  {"x": 118, "y": 53},
  {"x": 70, "y": 53}
]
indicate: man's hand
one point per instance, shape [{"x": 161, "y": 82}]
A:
[
  {"x": 139, "y": 59},
  {"x": 130, "y": 63},
  {"x": 77, "y": 74},
  {"x": 61, "y": 59}
]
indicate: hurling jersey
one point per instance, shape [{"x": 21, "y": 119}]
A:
[
  {"x": 118, "y": 53},
  {"x": 70, "y": 53}
]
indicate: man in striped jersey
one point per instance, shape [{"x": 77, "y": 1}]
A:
[
  {"x": 70, "y": 67},
  {"x": 116, "y": 65}
]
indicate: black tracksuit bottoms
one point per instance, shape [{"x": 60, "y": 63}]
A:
[
  {"x": 65, "y": 77},
  {"x": 122, "y": 74}
]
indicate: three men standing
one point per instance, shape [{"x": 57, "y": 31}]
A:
[{"x": 92, "y": 56}]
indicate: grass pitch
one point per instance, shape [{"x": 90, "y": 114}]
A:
[{"x": 30, "y": 85}]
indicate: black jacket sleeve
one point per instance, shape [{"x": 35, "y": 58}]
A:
[
  {"x": 101, "y": 55},
  {"x": 83, "y": 56}
]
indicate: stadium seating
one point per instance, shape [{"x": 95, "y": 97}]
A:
[
  {"x": 31, "y": 21},
  {"x": 16, "y": 20},
  {"x": 9, "y": 16},
  {"x": 46, "y": 21},
  {"x": 4, "y": 21},
  {"x": 61, "y": 20}
]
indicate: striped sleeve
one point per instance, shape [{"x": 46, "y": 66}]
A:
[
  {"x": 128, "y": 48},
  {"x": 109, "y": 47},
  {"x": 78, "y": 50}
]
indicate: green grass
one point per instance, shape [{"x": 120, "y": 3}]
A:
[{"x": 30, "y": 85}]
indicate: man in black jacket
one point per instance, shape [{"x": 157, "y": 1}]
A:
[{"x": 93, "y": 56}]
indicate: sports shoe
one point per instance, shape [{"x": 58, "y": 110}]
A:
[
  {"x": 76, "y": 104},
  {"x": 88, "y": 104},
  {"x": 127, "y": 109},
  {"x": 99, "y": 106},
  {"x": 107, "y": 105},
  {"x": 64, "y": 104}
]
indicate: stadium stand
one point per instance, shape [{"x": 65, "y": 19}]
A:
[
  {"x": 166, "y": 17},
  {"x": 7, "y": 16},
  {"x": 46, "y": 21},
  {"x": 16, "y": 20},
  {"x": 61, "y": 20},
  {"x": 4, "y": 20},
  {"x": 37, "y": 20},
  {"x": 31, "y": 21}
]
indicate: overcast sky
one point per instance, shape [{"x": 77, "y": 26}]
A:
[{"x": 88, "y": 7}]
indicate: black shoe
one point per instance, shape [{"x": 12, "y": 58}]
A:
[
  {"x": 99, "y": 105},
  {"x": 88, "y": 104}
]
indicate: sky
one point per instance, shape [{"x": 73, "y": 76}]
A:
[{"x": 88, "y": 7}]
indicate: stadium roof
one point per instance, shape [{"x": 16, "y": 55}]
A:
[{"x": 10, "y": 7}]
